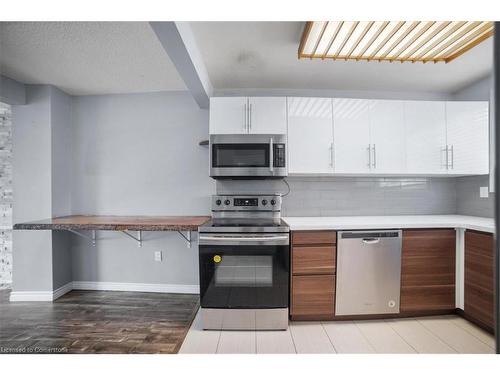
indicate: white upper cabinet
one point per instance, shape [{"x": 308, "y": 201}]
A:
[
  {"x": 387, "y": 136},
  {"x": 365, "y": 137},
  {"x": 425, "y": 137},
  {"x": 467, "y": 127},
  {"x": 310, "y": 135},
  {"x": 267, "y": 115},
  {"x": 351, "y": 122},
  {"x": 243, "y": 115},
  {"x": 228, "y": 115}
]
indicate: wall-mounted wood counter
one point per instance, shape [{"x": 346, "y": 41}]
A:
[{"x": 117, "y": 223}]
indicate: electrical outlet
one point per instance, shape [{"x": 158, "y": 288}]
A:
[
  {"x": 158, "y": 257},
  {"x": 483, "y": 192}
]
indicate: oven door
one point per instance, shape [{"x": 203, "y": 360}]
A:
[
  {"x": 244, "y": 271},
  {"x": 247, "y": 155}
]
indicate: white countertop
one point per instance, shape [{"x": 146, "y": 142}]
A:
[{"x": 391, "y": 222}]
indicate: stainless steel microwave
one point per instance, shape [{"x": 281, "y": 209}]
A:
[{"x": 248, "y": 156}]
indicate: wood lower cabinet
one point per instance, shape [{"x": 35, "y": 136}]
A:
[
  {"x": 428, "y": 270},
  {"x": 313, "y": 275},
  {"x": 479, "y": 284},
  {"x": 313, "y": 296}
]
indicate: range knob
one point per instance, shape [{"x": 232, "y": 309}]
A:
[
  {"x": 218, "y": 202},
  {"x": 273, "y": 202},
  {"x": 264, "y": 202},
  {"x": 226, "y": 202}
]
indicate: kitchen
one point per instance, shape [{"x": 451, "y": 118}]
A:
[{"x": 230, "y": 212}]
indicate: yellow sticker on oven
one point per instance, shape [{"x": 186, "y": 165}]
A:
[{"x": 217, "y": 258}]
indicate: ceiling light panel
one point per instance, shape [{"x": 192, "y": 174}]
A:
[{"x": 415, "y": 41}]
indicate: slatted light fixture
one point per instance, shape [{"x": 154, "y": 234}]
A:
[{"x": 415, "y": 41}]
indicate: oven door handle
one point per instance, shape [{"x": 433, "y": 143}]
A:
[
  {"x": 263, "y": 240},
  {"x": 227, "y": 238}
]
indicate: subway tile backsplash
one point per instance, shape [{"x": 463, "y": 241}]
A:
[{"x": 352, "y": 196}]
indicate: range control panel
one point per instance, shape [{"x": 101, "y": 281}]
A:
[{"x": 246, "y": 202}]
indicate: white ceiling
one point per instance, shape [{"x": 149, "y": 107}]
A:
[
  {"x": 84, "y": 58},
  {"x": 264, "y": 55}
]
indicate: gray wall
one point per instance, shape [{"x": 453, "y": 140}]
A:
[
  {"x": 139, "y": 155},
  {"x": 32, "y": 250},
  {"x": 61, "y": 159},
  {"x": 41, "y": 164},
  {"x": 11, "y": 91},
  {"x": 359, "y": 94},
  {"x": 468, "y": 200}
]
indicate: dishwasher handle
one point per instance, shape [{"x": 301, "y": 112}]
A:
[{"x": 371, "y": 241}]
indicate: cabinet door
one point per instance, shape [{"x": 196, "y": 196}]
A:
[
  {"x": 228, "y": 115},
  {"x": 313, "y": 296},
  {"x": 467, "y": 132},
  {"x": 387, "y": 136},
  {"x": 479, "y": 280},
  {"x": 310, "y": 135},
  {"x": 351, "y": 135},
  {"x": 425, "y": 137},
  {"x": 267, "y": 115},
  {"x": 428, "y": 270}
]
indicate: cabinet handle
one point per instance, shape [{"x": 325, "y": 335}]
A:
[
  {"x": 452, "y": 158},
  {"x": 374, "y": 157},
  {"x": 331, "y": 155},
  {"x": 250, "y": 119},
  {"x": 245, "y": 127},
  {"x": 369, "y": 156},
  {"x": 445, "y": 150}
]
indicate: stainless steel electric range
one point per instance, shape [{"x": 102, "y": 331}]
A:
[{"x": 244, "y": 264}]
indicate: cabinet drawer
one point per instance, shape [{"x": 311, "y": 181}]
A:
[
  {"x": 313, "y": 296},
  {"x": 310, "y": 260},
  {"x": 327, "y": 237}
]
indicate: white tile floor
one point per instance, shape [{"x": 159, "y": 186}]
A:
[{"x": 443, "y": 334}]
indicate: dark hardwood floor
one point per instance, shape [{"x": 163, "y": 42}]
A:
[{"x": 97, "y": 322}]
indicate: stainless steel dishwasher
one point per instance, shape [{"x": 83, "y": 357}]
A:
[{"x": 368, "y": 272}]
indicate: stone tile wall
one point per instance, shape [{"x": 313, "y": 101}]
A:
[{"x": 5, "y": 195}]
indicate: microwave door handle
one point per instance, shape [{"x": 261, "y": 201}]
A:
[{"x": 271, "y": 156}]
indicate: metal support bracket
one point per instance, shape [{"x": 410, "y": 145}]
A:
[
  {"x": 138, "y": 239},
  {"x": 187, "y": 237},
  {"x": 92, "y": 238}
]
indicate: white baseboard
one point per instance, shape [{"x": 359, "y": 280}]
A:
[
  {"x": 136, "y": 287},
  {"x": 59, "y": 292},
  {"x": 40, "y": 296}
]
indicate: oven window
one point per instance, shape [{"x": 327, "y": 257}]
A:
[
  {"x": 244, "y": 276},
  {"x": 240, "y": 155},
  {"x": 247, "y": 271}
]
